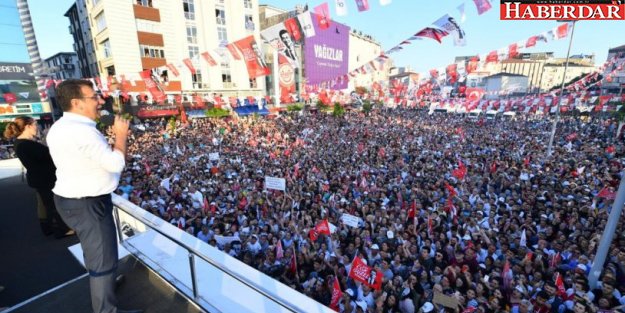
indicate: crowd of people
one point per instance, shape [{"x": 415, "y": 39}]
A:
[{"x": 512, "y": 232}]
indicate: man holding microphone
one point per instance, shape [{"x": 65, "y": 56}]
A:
[{"x": 88, "y": 171}]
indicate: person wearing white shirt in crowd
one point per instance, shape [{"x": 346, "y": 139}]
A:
[
  {"x": 197, "y": 198},
  {"x": 253, "y": 245},
  {"x": 87, "y": 172}
]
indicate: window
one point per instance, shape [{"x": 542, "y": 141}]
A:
[
  {"x": 189, "y": 9},
  {"x": 220, "y": 14},
  {"x": 253, "y": 83},
  {"x": 222, "y": 34},
  {"x": 226, "y": 75},
  {"x": 145, "y": 3},
  {"x": 148, "y": 26},
  {"x": 110, "y": 71},
  {"x": 197, "y": 80},
  {"x": 247, "y": 4},
  {"x": 194, "y": 51},
  {"x": 94, "y": 2},
  {"x": 100, "y": 22},
  {"x": 105, "y": 46},
  {"x": 249, "y": 22},
  {"x": 191, "y": 34},
  {"x": 152, "y": 52}
]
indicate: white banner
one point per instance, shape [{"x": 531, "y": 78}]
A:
[
  {"x": 341, "y": 7},
  {"x": 275, "y": 183},
  {"x": 305, "y": 21},
  {"x": 222, "y": 240},
  {"x": 350, "y": 220},
  {"x": 213, "y": 156}
]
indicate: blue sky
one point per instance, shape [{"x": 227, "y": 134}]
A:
[
  {"x": 390, "y": 25},
  {"x": 12, "y": 44}
]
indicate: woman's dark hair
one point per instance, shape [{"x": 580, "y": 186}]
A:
[
  {"x": 16, "y": 128},
  {"x": 68, "y": 90}
]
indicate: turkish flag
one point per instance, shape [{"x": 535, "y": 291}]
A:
[
  {"x": 173, "y": 69},
  {"x": 562, "y": 31},
  {"x": 492, "y": 57},
  {"x": 208, "y": 58},
  {"x": 233, "y": 51},
  {"x": 474, "y": 93},
  {"x": 472, "y": 65},
  {"x": 433, "y": 33},
  {"x": 189, "y": 65}
]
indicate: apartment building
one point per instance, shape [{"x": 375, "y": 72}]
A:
[
  {"x": 63, "y": 65},
  {"x": 130, "y": 36},
  {"x": 80, "y": 30}
]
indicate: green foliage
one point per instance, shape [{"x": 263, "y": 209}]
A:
[
  {"x": 338, "y": 110},
  {"x": 217, "y": 112},
  {"x": 367, "y": 106},
  {"x": 620, "y": 114},
  {"x": 296, "y": 107}
]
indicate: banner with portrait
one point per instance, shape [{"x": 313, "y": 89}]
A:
[
  {"x": 253, "y": 56},
  {"x": 281, "y": 39}
]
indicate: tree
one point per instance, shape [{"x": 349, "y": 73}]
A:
[
  {"x": 338, "y": 110},
  {"x": 367, "y": 106}
]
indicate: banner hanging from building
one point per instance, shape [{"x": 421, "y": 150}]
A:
[
  {"x": 152, "y": 85},
  {"x": 327, "y": 55},
  {"x": 280, "y": 39},
  {"x": 17, "y": 84},
  {"x": 253, "y": 56}
]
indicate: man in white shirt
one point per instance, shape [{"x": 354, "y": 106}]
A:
[{"x": 87, "y": 172}]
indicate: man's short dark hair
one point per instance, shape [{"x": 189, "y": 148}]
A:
[{"x": 68, "y": 90}]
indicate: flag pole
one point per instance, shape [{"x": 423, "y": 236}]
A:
[
  {"x": 608, "y": 235},
  {"x": 557, "y": 118}
]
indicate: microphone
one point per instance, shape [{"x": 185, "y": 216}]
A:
[{"x": 106, "y": 118}]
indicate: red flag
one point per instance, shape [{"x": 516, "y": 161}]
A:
[
  {"x": 337, "y": 294},
  {"x": 365, "y": 274},
  {"x": 433, "y": 33},
  {"x": 474, "y": 93},
  {"x": 363, "y": 5},
  {"x": 292, "y": 26},
  {"x": 233, "y": 51},
  {"x": 147, "y": 168},
  {"x": 526, "y": 161},
  {"x": 322, "y": 13},
  {"x": 461, "y": 171},
  {"x": 323, "y": 228},
  {"x": 493, "y": 167},
  {"x": 293, "y": 263},
  {"x": 206, "y": 205},
  {"x": 412, "y": 212},
  {"x": 189, "y": 65},
  {"x": 571, "y": 137},
  {"x": 610, "y": 149},
  {"x": 173, "y": 69},
  {"x": 183, "y": 115},
  {"x": 209, "y": 59},
  {"x": 562, "y": 31},
  {"x": 253, "y": 56},
  {"x": 482, "y": 6},
  {"x": 531, "y": 41},
  {"x": 560, "y": 285},
  {"x": 492, "y": 57},
  {"x": 452, "y": 190},
  {"x": 606, "y": 193},
  {"x": 434, "y": 73},
  {"x": 513, "y": 50},
  {"x": 153, "y": 87},
  {"x": 279, "y": 250},
  {"x": 555, "y": 260}
]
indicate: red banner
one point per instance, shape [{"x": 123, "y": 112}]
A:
[
  {"x": 365, "y": 274},
  {"x": 323, "y": 228},
  {"x": 209, "y": 59},
  {"x": 474, "y": 94},
  {"x": 292, "y": 26},
  {"x": 233, "y": 51},
  {"x": 253, "y": 56},
  {"x": 189, "y": 65},
  {"x": 152, "y": 86},
  {"x": 286, "y": 75},
  {"x": 173, "y": 69}
]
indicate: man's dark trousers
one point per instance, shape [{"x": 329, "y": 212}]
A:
[{"x": 92, "y": 219}]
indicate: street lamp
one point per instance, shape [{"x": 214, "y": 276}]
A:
[{"x": 555, "y": 121}]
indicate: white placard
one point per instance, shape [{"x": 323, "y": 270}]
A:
[
  {"x": 350, "y": 220},
  {"x": 223, "y": 240},
  {"x": 275, "y": 183},
  {"x": 213, "y": 156}
]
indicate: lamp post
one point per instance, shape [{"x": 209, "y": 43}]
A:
[{"x": 557, "y": 119}]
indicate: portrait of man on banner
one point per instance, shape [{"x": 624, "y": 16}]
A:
[{"x": 253, "y": 56}]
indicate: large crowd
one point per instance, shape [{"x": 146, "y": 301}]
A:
[{"x": 516, "y": 232}]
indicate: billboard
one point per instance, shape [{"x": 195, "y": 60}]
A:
[
  {"x": 327, "y": 54},
  {"x": 18, "y": 88}
]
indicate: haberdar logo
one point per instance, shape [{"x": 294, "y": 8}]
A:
[
  {"x": 562, "y": 10},
  {"x": 287, "y": 77}
]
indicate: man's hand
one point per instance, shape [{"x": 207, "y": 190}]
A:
[{"x": 120, "y": 126}]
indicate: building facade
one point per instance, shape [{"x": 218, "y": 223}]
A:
[
  {"x": 133, "y": 36},
  {"x": 615, "y": 84},
  {"x": 80, "y": 30},
  {"x": 63, "y": 65}
]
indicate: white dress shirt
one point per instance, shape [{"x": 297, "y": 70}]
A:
[{"x": 86, "y": 165}]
